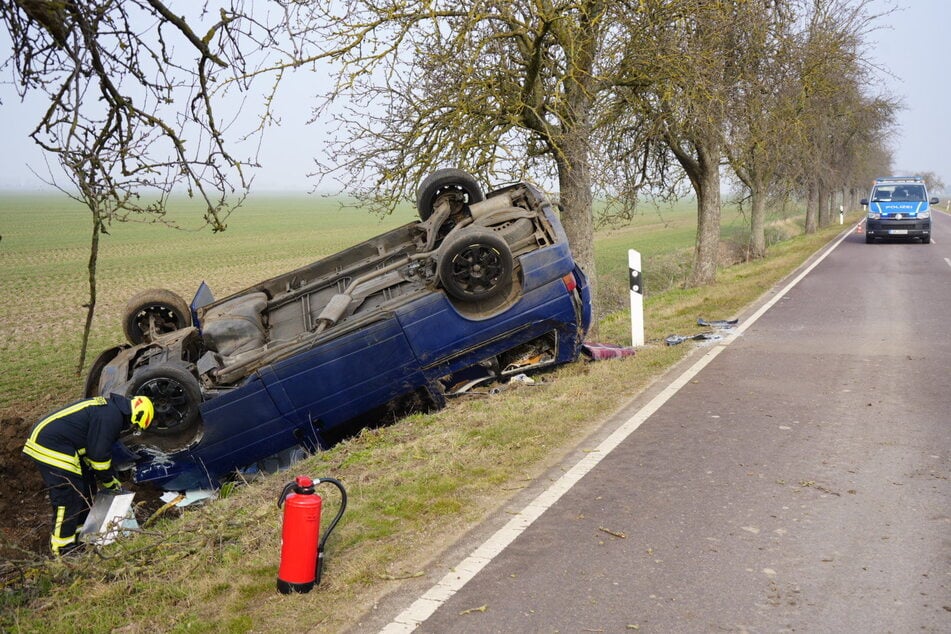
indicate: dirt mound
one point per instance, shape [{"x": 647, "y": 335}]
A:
[{"x": 24, "y": 507}]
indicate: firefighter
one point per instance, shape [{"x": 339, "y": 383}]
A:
[{"x": 72, "y": 448}]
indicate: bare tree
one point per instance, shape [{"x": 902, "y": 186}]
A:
[
  {"x": 133, "y": 94},
  {"x": 505, "y": 90},
  {"x": 501, "y": 89},
  {"x": 720, "y": 94},
  {"x": 761, "y": 112},
  {"x": 690, "y": 64},
  {"x": 840, "y": 125},
  {"x": 935, "y": 183}
]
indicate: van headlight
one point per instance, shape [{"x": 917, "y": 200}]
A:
[
  {"x": 874, "y": 215},
  {"x": 924, "y": 214}
]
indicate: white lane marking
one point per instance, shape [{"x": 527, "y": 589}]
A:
[
  {"x": 424, "y": 607},
  {"x": 948, "y": 260}
]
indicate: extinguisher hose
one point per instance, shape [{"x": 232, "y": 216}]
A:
[
  {"x": 343, "y": 507},
  {"x": 319, "y": 568},
  {"x": 287, "y": 490}
]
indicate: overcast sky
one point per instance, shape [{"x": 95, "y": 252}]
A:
[{"x": 912, "y": 49}]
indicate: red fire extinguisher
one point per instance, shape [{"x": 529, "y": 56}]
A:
[{"x": 302, "y": 548}]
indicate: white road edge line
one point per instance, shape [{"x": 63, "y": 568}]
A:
[{"x": 457, "y": 577}]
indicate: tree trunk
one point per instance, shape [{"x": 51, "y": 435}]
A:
[
  {"x": 708, "y": 232},
  {"x": 812, "y": 209},
  {"x": 704, "y": 174},
  {"x": 574, "y": 180},
  {"x": 91, "y": 268},
  {"x": 823, "y": 202},
  {"x": 758, "y": 223},
  {"x": 574, "y": 152},
  {"x": 699, "y": 156}
]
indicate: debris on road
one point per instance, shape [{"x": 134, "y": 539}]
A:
[
  {"x": 613, "y": 533},
  {"x": 673, "y": 340},
  {"x": 718, "y": 323}
]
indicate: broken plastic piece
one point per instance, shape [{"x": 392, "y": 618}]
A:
[
  {"x": 524, "y": 379},
  {"x": 717, "y": 323},
  {"x": 600, "y": 351},
  {"x": 109, "y": 516},
  {"x": 673, "y": 340},
  {"x": 191, "y": 497}
]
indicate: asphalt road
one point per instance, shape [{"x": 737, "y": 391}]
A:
[{"x": 798, "y": 482}]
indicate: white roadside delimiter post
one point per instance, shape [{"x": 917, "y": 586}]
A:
[{"x": 637, "y": 298}]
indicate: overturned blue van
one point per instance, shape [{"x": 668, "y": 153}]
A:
[
  {"x": 483, "y": 285},
  {"x": 899, "y": 208}
]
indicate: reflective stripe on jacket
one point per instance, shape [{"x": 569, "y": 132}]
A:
[{"x": 83, "y": 430}]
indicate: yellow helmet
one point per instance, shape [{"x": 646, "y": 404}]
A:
[{"x": 142, "y": 411}]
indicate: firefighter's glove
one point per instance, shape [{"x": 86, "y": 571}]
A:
[{"x": 112, "y": 486}]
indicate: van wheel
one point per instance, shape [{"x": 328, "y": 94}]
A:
[
  {"x": 446, "y": 181},
  {"x": 175, "y": 394},
  {"x": 475, "y": 264},
  {"x": 155, "y": 308}
]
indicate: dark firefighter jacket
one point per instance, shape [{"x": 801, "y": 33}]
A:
[{"x": 85, "y": 430}]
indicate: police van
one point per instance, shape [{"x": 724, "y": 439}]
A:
[{"x": 898, "y": 207}]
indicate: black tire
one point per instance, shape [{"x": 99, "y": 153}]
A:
[
  {"x": 926, "y": 240},
  {"x": 91, "y": 387},
  {"x": 441, "y": 182},
  {"x": 869, "y": 239},
  {"x": 475, "y": 264},
  {"x": 168, "y": 311},
  {"x": 175, "y": 394}
]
